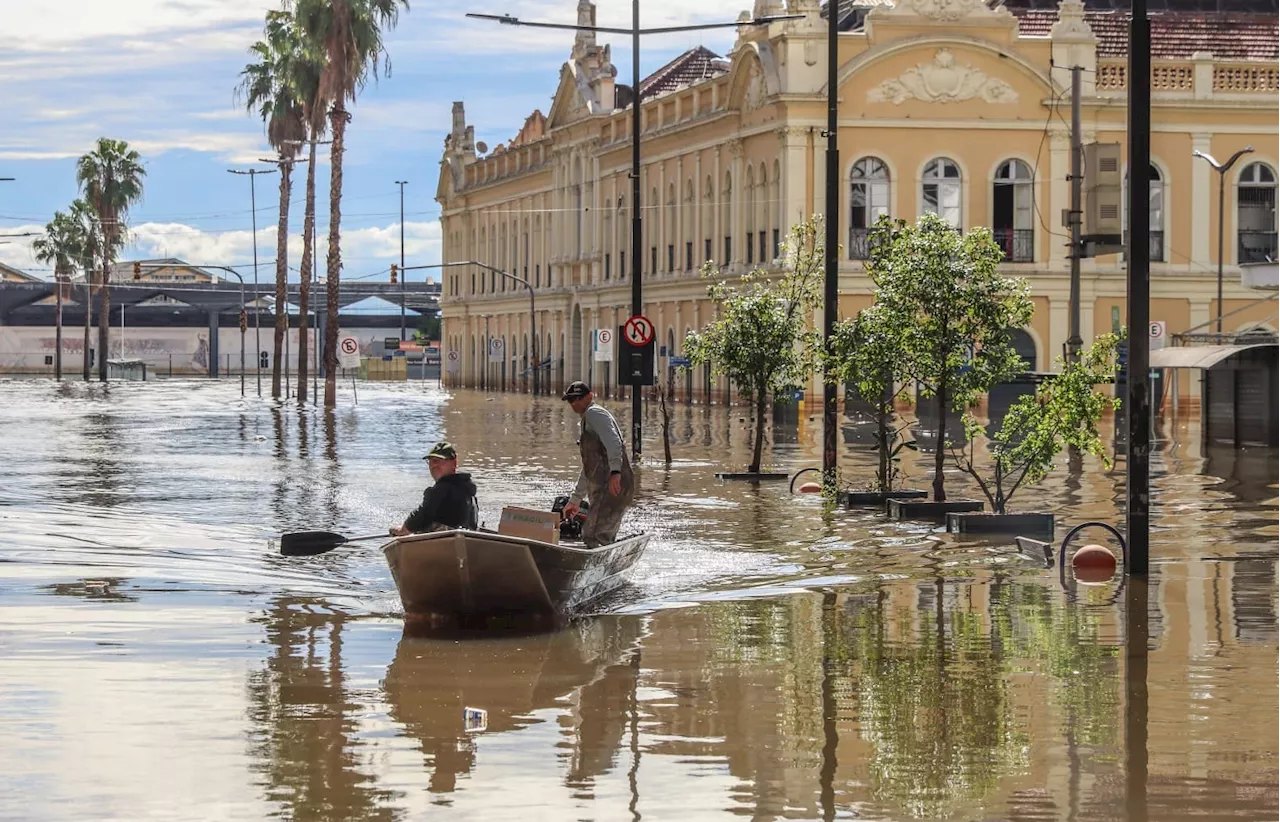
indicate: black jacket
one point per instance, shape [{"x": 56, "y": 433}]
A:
[{"x": 451, "y": 502}]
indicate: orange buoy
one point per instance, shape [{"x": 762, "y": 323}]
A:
[
  {"x": 1093, "y": 563},
  {"x": 810, "y": 488}
]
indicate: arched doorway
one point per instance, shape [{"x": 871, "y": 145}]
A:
[{"x": 1003, "y": 396}]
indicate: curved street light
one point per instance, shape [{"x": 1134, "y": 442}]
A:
[{"x": 1222, "y": 169}]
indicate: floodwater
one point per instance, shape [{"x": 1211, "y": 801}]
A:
[{"x": 159, "y": 659}]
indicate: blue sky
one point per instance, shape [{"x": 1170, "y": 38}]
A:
[{"x": 161, "y": 74}]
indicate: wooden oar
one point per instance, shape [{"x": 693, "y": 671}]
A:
[{"x": 310, "y": 543}]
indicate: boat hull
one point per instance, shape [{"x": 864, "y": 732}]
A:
[{"x": 461, "y": 573}]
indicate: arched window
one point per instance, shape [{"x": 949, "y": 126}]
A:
[
  {"x": 1012, "y": 211},
  {"x": 671, "y": 227},
  {"x": 686, "y": 228},
  {"x": 1256, "y": 214},
  {"x": 1155, "y": 220},
  {"x": 779, "y": 209},
  {"x": 708, "y": 219},
  {"x": 762, "y": 214},
  {"x": 726, "y": 217},
  {"x": 940, "y": 191},
  {"x": 624, "y": 236},
  {"x": 651, "y": 223},
  {"x": 868, "y": 202},
  {"x": 577, "y": 207},
  {"x": 749, "y": 203}
]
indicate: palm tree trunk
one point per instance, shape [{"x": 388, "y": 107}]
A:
[
  {"x": 57, "y": 340},
  {"x": 308, "y": 264},
  {"x": 104, "y": 319},
  {"x": 338, "y": 124},
  {"x": 88, "y": 315},
  {"x": 282, "y": 275}
]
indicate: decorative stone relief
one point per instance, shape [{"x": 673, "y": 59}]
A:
[
  {"x": 943, "y": 81},
  {"x": 945, "y": 10},
  {"x": 753, "y": 98}
]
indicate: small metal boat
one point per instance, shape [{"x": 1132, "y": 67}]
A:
[{"x": 465, "y": 574}]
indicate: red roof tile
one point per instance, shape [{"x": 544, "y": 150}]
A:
[
  {"x": 693, "y": 65},
  {"x": 1174, "y": 36}
]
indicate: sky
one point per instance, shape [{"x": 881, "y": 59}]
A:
[{"x": 162, "y": 75}]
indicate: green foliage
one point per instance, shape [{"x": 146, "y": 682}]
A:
[
  {"x": 349, "y": 35},
  {"x": 760, "y": 339},
  {"x": 948, "y": 313},
  {"x": 1064, "y": 411},
  {"x": 282, "y": 82},
  {"x": 863, "y": 354},
  {"x": 111, "y": 178},
  {"x": 70, "y": 240}
]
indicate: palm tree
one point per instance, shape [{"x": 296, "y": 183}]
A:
[
  {"x": 89, "y": 231},
  {"x": 269, "y": 87},
  {"x": 349, "y": 34},
  {"x": 111, "y": 178},
  {"x": 62, "y": 245}
]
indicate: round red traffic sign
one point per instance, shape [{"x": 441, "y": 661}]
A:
[
  {"x": 349, "y": 345},
  {"x": 638, "y": 330}
]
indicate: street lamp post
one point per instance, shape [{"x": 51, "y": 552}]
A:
[
  {"x": 253, "y": 212},
  {"x": 1222, "y": 169},
  {"x": 637, "y": 301},
  {"x": 402, "y": 184},
  {"x": 533, "y": 310}
]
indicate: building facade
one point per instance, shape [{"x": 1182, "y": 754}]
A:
[{"x": 956, "y": 108}]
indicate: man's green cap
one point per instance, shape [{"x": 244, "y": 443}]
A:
[{"x": 443, "y": 450}]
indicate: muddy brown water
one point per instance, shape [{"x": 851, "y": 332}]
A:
[{"x": 769, "y": 659}]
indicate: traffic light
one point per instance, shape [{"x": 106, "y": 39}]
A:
[
  {"x": 137, "y": 271},
  {"x": 394, "y": 270},
  {"x": 244, "y": 321}
]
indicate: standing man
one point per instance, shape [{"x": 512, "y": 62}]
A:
[
  {"x": 606, "y": 479},
  {"x": 450, "y": 503}
]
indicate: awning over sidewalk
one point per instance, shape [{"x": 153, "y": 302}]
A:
[{"x": 1198, "y": 356}]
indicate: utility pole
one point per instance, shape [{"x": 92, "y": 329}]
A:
[
  {"x": 831, "y": 282},
  {"x": 253, "y": 212},
  {"x": 402, "y": 184},
  {"x": 1074, "y": 341},
  {"x": 637, "y": 306},
  {"x": 1137, "y": 404}
]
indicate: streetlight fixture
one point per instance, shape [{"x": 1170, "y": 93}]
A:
[
  {"x": 1222, "y": 169},
  {"x": 253, "y": 211},
  {"x": 533, "y": 311},
  {"x": 402, "y": 184},
  {"x": 637, "y": 302}
]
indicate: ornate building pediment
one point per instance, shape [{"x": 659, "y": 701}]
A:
[
  {"x": 943, "y": 81},
  {"x": 943, "y": 11}
]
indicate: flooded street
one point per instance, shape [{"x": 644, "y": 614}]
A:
[{"x": 769, "y": 660}]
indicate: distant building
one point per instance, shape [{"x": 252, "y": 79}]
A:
[
  {"x": 955, "y": 107},
  {"x": 162, "y": 270},
  {"x": 9, "y": 274}
]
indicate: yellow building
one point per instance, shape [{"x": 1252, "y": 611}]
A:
[{"x": 950, "y": 106}]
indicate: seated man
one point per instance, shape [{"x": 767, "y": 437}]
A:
[{"x": 450, "y": 503}]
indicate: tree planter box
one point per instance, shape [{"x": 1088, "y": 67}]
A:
[
  {"x": 900, "y": 509},
  {"x": 855, "y": 499},
  {"x": 983, "y": 523},
  {"x": 752, "y": 477}
]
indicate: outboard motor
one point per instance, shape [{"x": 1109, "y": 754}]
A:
[{"x": 570, "y": 528}]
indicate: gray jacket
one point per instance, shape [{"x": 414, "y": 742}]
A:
[{"x": 600, "y": 422}]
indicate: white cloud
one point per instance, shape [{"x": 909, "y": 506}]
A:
[
  {"x": 27, "y": 26},
  {"x": 16, "y": 251}
]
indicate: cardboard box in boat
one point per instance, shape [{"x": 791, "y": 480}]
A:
[{"x": 530, "y": 524}]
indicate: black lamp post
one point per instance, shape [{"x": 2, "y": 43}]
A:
[
  {"x": 1222, "y": 169},
  {"x": 637, "y": 302}
]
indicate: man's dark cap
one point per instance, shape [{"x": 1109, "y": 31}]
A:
[
  {"x": 443, "y": 450},
  {"x": 576, "y": 391}
]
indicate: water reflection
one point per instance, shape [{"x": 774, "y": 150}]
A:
[
  {"x": 304, "y": 720},
  {"x": 513, "y": 678}
]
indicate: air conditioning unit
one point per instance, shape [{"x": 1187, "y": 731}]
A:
[{"x": 1103, "y": 190}]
